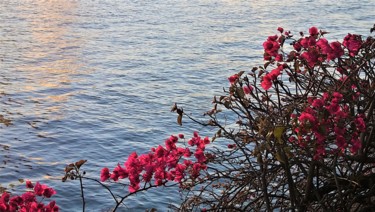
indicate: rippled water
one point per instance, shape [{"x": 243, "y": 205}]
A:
[{"x": 95, "y": 79}]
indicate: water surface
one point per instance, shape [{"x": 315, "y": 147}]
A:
[{"x": 95, "y": 79}]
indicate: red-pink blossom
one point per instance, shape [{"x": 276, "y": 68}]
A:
[
  {"x": 38, "y": 189},
  {"x": 313, "y": 31},
  {"x": 356, "y": 145},
  {"x": 271, "y": 46},
  {"x": 337, "y": 96},
  {"x": 360, "y": 124},
  {"x": 317, "y": 103},
  {"x": 279, "y": 58},
  {"x": 275, "y": 72},
  {"x": 48, "y": 192},
  {"x": 29, "y": 184},
  {"x": 266, "y": 82},
  {"x": 170, "y": 144},
  {"x": 232, "y": 79},
  {"x": 322, "y": 43},
  {"x": 304, "y": 42},
  {"x": 311, "y": 56},
  {"x": 5, "y": 197},
  {"x": 353, "y": 43},
  {"x": 336, "y": 51},
  {"x": 247, "y": 89},
  {"x": 104, "y": 174},
  {"x": 307, "y": 117},
  {"x": 28, "y": 197},
  {"x": 297, "y": 46},
  {"x": 199, "y": 155}
]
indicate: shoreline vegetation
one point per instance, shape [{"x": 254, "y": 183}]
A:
[{"x": 294, "y": 134}]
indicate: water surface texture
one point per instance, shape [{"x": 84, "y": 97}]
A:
[{"x": 95, "y": 80}]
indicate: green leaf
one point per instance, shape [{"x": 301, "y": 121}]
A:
[{"x": 278, "y": 133}]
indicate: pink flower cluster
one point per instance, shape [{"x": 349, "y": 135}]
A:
[
  {"x": 324, "y": 119},
  {"x": 313, "y": 49},
  {"x": 317, "y": 49},
  {"x": 353, "y": 43},
  {"x": 268, "y": 78},
  {"x": 28, "y": 202},
  {"x": 162, "y": 164},
  {"x": 271, "y": 47},
  {"x": 232, "y": 79}
]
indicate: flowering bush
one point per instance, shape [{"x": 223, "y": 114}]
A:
[
  {"x": 28, "y": 201},
  {"x": 302, "y": 130},
  {"x": 294, "y": 134},
  {"x": 162, "y": 164},
  {"x": 176, "y": 161}
]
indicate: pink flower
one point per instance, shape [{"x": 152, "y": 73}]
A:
[
  {"x": 206, "y": 140},
  {"x": 337, "y": 95},
  {"x": 360, "y": 124},
  {"x": 275, "y": 72},
  {"x": 333, "y": 108},
  {"x": 280, "y": 29},
  {"x": 104, "y": 174},
  {"x": 196, "y": 170},
  {"x": 336, "y": 51},
  {"x": 311, "y": 56},
  {"x": 311, "y": 41},
  {"x": 170, "y": 144},
  {"x": 356, "y": 145},
  {"x": 52, "y": 206},
  {"x": 297, "y": 46},
  {"x": 28, "y": 197},
  {"x": 199, "y": 155},
  {"x": 232, "y": 79},
  {"x": 279, "y": 58},
  {"x": 5, "y": 197},
  {"x": 133, "y": 187},
  {"x": 313, "y": 31},
  {"x": 266, "y": 82},
  {"x": 247, "y": 89},
  {"x": 272, "y": 38},
  {"x": 341, "y": 142},
  {"x": 29, "y": 184},
  {"x": 38, "y": 189},
  {"x": 48, "y": 192},
  {"x": 353, "y": 43},
  {"x": 305, "y": 42},
  {"x": 317, "y": 103},
  {"x": 187, "y": 152},
  {"x": 323, "y": 45},
  {"x": 119, "y": 173},
  {"x": 320, "y": 151},
  {"x": 160, "y": 151},
  {"x": 267, "y": 79},
  {"x": 307, "y": 117},
  {"x": 271, "y": 46}
]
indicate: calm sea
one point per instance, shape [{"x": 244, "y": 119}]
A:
[{"x": 95, "y": 80}]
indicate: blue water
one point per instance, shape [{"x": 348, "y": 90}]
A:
[{"x": 96, "y": 79}]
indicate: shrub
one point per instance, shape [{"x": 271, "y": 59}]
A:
[
  {"x": 300, "y": 130},
  {"x": 294, "y": 134}
]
